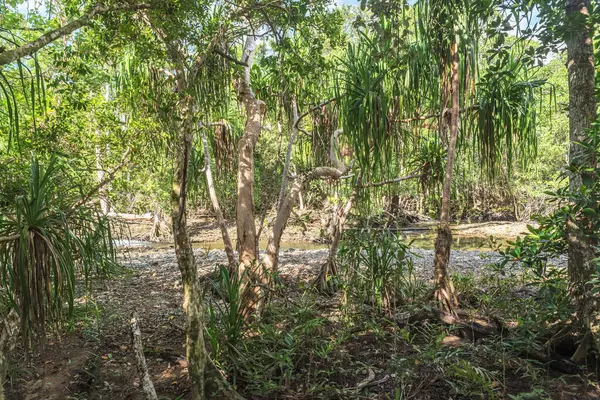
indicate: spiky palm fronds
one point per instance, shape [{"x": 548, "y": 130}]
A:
[
  {"x": 364, "y": 89},
  {"x": 506, "y": 116},
  {"x": 44, "y": 246}
]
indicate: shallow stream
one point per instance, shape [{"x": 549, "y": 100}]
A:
[{"x": 421, "y": 239}]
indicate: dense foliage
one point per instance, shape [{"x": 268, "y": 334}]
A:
[{"x": 371, "y": 116}]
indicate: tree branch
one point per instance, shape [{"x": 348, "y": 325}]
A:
[
  {"x": 304, "y": 114},
  {"x": 414, "y": 175},
  {"x": 436, "y": 115},
  {"x": 31, "y": 47},
  {"x": 110, "y": 176},
  {"x": 230, "y": 58}
]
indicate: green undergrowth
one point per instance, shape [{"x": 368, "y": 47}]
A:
[{"x": 350, "y": 345}]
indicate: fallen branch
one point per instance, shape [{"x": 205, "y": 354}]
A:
[
  {"x": 138, "y": 348},
  {"x": 131, "y": 217}
]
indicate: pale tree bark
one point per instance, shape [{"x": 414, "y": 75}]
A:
[
  {"x": 100, "y": 177},
  {"x": 216, "y": 206},
  {"x": 288, "y": 154},
  {"x": 444, "y": 290},
  {"x": 329, "y": 267},
  {"x": 582, "y": 113},
  {"x": 247, "y": 240},
  {"x": 255, "y": 109},
  {"x": 100, "y": 157},
  {"x": 271, "y": 259},
  {"x": 140, "y": 359}
]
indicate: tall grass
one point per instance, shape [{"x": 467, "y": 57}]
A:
[{"x": 378, "y": 269}]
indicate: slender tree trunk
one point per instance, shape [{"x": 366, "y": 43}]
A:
[
  {"x": 271, "y": 258},
  {"x": 206, "y": 380},
  {"x": 444, "y": 290},
  {"x": 329, "y": 267},
  {"x": 215, "y": 204},
  {"x": 255, "y": 109},
  {"x": 192, "y": 301},
  {"x": 100, "y": 177},
  {"x": 288, "y": 154},
  {"x": 285, "y": 202},
  {"x": 582, "y": 113},
  {"x": 248, "y": 269}
]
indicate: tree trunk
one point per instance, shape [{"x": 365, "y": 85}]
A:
[
  {"x": 329, "y": 267},
  {"x": 582, "y": 113},
  {"x": 215, "y": 204},
  {"x": 255, "y": 109},
  {"x": 100, "y": 177},
  {"x": 444, "y": 290},
  {"x": 192, "y": 303},
  {"x": 271, "y": 258},
  {"x": 206, "y": 380}
]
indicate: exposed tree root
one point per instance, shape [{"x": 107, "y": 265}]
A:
[
  {"x": 324, "y": 282},
  {"x": 217, "y": 386},
  {"x": 475, "y": 327}
]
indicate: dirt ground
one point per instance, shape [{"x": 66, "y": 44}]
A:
[{"x": 93, "y": 359}]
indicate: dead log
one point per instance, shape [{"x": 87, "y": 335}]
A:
[{"x": 138, "y": 349}]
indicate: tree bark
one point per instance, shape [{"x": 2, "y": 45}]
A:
[
  {"x": 444, "y": 290},
  {"x": 138, "y": 349},
  {"x": 100, "y": 177},
  {"x": 329, "y": 267},
  {"x": 255, "y": 109},
  {"x": 192, "y": 302},
  {"x": 217, "y": 208},
  {"x": 582, "y": 113},
  {"x": 288, "y": 154}
]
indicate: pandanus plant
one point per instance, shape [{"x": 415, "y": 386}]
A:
[{"x": 46, "y": 244}]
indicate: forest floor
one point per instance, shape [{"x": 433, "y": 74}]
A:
[{"x": 310, "y": 347}]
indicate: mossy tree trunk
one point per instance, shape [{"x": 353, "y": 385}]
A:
[
  {"x": 581, "y": 239},
  {"x": 444, "y": 290}
]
